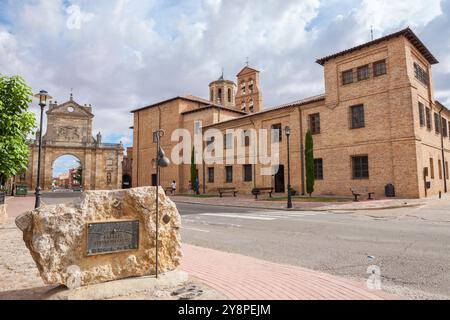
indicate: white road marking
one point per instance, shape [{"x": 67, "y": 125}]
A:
[
  {"x": 195, "y": 229},
  {"x": 265, "y": 218}
]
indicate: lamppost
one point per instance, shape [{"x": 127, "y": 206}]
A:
[
  {"x": 287, "y": 131},
  {"x": 161, "y": 161},
  {"x": 43, "y": 96}
]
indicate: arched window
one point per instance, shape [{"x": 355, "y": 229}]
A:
[{"x": 229, "y": 95}]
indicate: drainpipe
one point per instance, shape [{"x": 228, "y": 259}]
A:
[
  {"x": 302, "y": 158},
  {"x": 254, "y": 156},
  {"x": 442, "y": 150}
]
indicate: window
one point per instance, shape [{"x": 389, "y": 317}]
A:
[
  {"x": 428, "y": 118},
  {"x": 314, "y": 123},
  {"x": 229, "y": 174},
  {"x": 437, "y": 126},
  {"x": 446, "y": 169},
  {"x": 211, "y": 94},
  {"x": 347, "y": 77},
  {"x": 247, "y": 172},
  {"x": 440, "y": 169},
  {"x": 360, "y": 166},
  {"x": 421, "y": 74},
  {"x": 197, "y": 127},
  {"x": 277, "y": 128},
  {"x": 210, "y": 175},
  {"x": 363, "y": 73},
  {"x": 219, "y": 95},
  {"x": 250, "y": 108},
  {"x": 246, "y": 138},
  {"x": 250, "y": 88},
  {"x": 357, "y": 116},
  {"x": 379, "y": 68},
  {"x": 444, "y": 127},
  {"x": 431, "y": 168},
  {"x": 243, "y": 90},
  {"x": 210, "y": 143},
  {"x": 421, "y": 114},
  {"x": 228, "y": 139},
  {"x": 229, "y": 95},
  {"x": 318, "y": 169}
]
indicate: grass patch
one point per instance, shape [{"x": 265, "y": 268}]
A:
[{"x": 310, "y": 199}]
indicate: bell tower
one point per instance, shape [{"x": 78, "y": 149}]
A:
[
  {"x": 248, "y": 96},
  {"x": 222, "y": 92}
]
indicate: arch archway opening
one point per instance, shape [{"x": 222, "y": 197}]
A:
[{"x": 67, "y": 173}]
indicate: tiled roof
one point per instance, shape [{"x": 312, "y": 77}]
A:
[
  {"x": 188, "y": 98},
  {"x": 295, "y": 103},
  {"x": 408, "y": 33}
]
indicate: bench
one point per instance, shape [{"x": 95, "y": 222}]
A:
[
  {"x": 227, "y": 190},
  {"x": 358, "y": 191},
  {"x": 258, "y": 191},
  {"x": 168, "y": 190}
]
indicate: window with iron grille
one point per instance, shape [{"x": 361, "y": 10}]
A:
[
  {"x": 421, "y": 74},
  {"x": 229, "y": 174},
  {"x": 444, "y": 127},
  {"x": 314, "y": 123},
  {"x": 421, "y": 114},
  {"x": 318, "y": 169},
  {"x": 347, "y": 77},
  {"x": 211, "y": 175},
  {"x": 247, "y": 172},
  {"x": 437, "y": 126},
  {"x": 360, "y": 167},
  {"x": 428, "y": 118},
  {"x": 363, "y": 72},
  {"x": 357, "y": 116},
  {"x": 277, "y": 132},
  {"x": 431, "y": 168},
  {"x": 227, "y": 140},
  {"x": 379, "y": 68}
]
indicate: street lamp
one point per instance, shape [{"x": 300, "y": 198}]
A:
[
  {"x": 287, "y": 131},
  {"x": 161, "y": 161},
  {"x": 43, "y": 97}
]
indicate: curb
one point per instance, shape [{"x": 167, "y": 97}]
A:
[{"x": 301, "y": 209}]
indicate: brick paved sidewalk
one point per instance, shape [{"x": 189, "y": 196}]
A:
[{"x": 245, "y": 278}]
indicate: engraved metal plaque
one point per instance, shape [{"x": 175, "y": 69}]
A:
[{"x": 109, "y": 237}]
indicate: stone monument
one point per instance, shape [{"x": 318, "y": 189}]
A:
[{"x": 109, "y": 235}]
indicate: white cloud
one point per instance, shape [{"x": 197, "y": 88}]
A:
[{"x": 133, "y": 53}]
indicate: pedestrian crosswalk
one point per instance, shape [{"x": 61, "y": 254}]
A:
[{"x": 259, "y": 215}]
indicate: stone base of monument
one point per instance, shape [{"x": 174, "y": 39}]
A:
[{"x": 169, "y": 286}]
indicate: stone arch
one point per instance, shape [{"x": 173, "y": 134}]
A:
[{"x": 50, "y": 157}]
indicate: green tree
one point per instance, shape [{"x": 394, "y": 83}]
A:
[
  {"x": 309, "y": 163},
  {"x": 16, "y": 122},
  {"x": 193, "y": 171}
]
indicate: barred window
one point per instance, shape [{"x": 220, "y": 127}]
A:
[
  {"x": 357, "y": 116},
  {"x": 229, "y": 174},
  {"x": 444, "y": 127},
  {"x": 363, "y": 73},
  {"x": 347, "y": 77},
  {"x": 431, "y": 168},
  {"x": 421, "y": 74},
  {"x": 247, "y": 172},
  {"x": 211, "y": 175},
  {"x": 318, "y": 169},
  {"x": 422, "y": 114},
  {"x": 360, "y": 166},
  {"x": 428, "y": 118},
  {"x": 277, "y": 132},
  {"x": 437, "y": 126},
  {"x": 379, "y": 68},
  {"x": 314, "y": 123}
]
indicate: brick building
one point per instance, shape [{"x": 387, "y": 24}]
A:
[{"x": 377, "y": 123}]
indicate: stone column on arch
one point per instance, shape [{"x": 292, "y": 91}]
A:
[{"x": 87, "y": 170}]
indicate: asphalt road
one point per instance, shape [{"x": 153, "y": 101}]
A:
[{"x": 413, "y": 254}]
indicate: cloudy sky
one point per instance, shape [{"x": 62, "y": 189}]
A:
[{"x": 119, "y": 55}]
